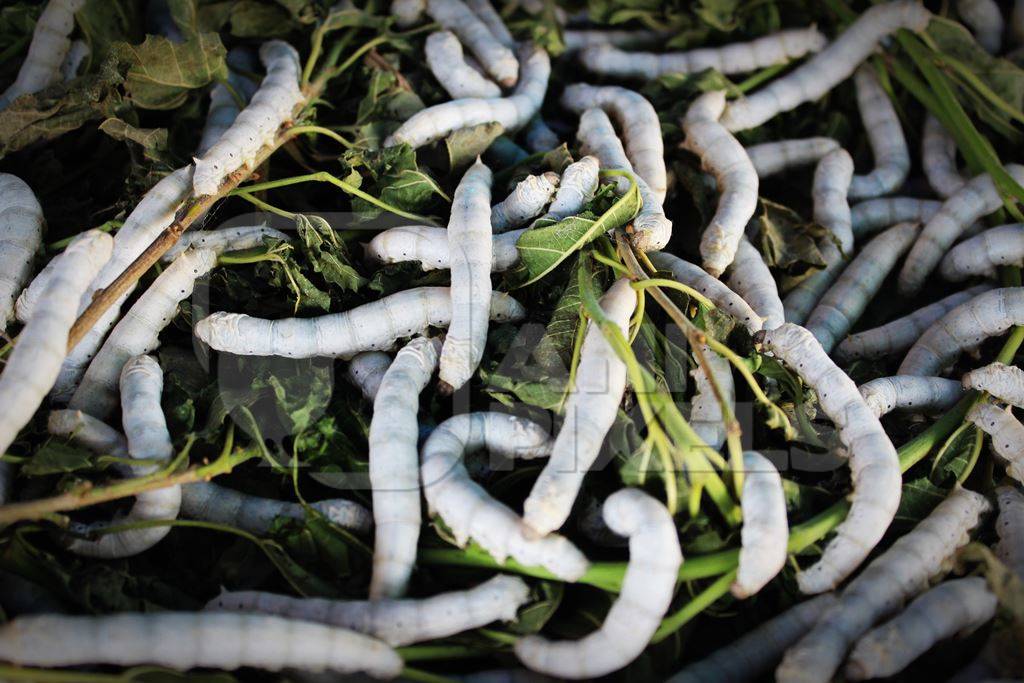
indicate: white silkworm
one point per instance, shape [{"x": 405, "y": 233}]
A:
[
  {"x": 985, "y": 21},
  {"x": 35, "y": 361},
  {"x": 765, "y": 527},
  {"x": 828, "y": 68},
  {"x": 723, "y": 156},
  {"x": 485, "y": 11},
  {"x": 706, "y": 412},
  {"x": 576, "y": 187},
  {"x": 496, "y": 58},
  {"x": 982, "y": 254},
  {"x": 469, "y": 249},
  {"x": 78, "y": 52},
  {"x": 874, "y": 465},
  {"x": 1010, "y": 527},
  {"x": 86, "y": 430},
  {"x": 1007, "y": 434},
  {"x": 900, "y": 334},
  {"x": 580, "y": 38},
  {"x": 272, "y": 106},
  {"x": 375, "y": 326},
  {"x": 832, "y": 178},
  {"x": 407, "y": 12},
  {"x": 186, "y": 640},
  {"x": 429, "y": 246},
  {"x": 897, "y": 574},
  {"x": 720, "y": 295},
  {"x": 651, "y": 228},
  {"x": 470, "y": 512},
  {"x": 223, "y": 240},
  {"x": 396, "y": 622},
  {"x": 938, "y": 158},
  {"x": 647, "y": 589},
  {"x": 138, "y": 332},
  {"x": 770, "y": 158},
  {"x": 224, "y": 106},
  {"x": 21, "y": 234},
  {"x": 539, "y": 137},
  {"x": 1003, "y": 382},
  {"x": 885, "y": 135},
  {"x": 907, "y": 392},
  {"x": 987, "y": 315},
  {"x": 752, "y": 280},
  {"x": 978, "y": 198},
  {"x": 448, "y": 64},
  {"x": 526, "y": 201},
  {"x": 844, "y": 303},
  {"x": 366, "y": 370},
  {"x": 590, "y": 411},
  {"x": 954, "y": 608},
  {"x": 46, "y": 52},
  {"x": 868, "y": 216},
  {"x": 513, "y": 112},
  {"x": 735, "y": 58},
  {"x": 394, "y": 466},
  {"x": 751, "y": 655}
]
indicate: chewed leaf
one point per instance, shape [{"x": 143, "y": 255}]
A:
[
  {"x": 162, "y": 73},
  {"x": 152, "y": 140},
  {"x": 466, "y": 144}
]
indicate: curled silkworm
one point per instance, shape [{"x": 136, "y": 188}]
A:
[
  {"x": 366, "y": 370},
  {"x": 844, "y": 303},
  {"x": 900, "y": 334},
  {"x": 871, "y": 215},
  {"x": 224, "y": 104},
  {"x": 765, "y": 527},
  {"x": 885, "y": 134},
  {"x": 978, "y": 198},
  {"x": 272, "y": 105},
  {"x": 375, "y": 326},
  {"x": 828, "y": 68},
  {"x": 97, "y": 436},
  {"x": 590, "y": 411},
  {"x": 720, "y": 295},
  {"x": 1007, "y": 434},
  {"x": 938, "y": 158},
  {"x": 495, "y": 57},
  {"x": 982, "y": 254},
  {"x": 647, "y": 589},
  {"x": 224, "y": 240},
  {"x": 21, "y": 234},
  {"x": 770, "y": 158},
  {"x": 539, "y": 137},
  {"x": 46, "y": 52},
  {"x": 429, "y": 246},
  {"x": 954, "y": 608},
  {"x": 1010, "y": 527},
  {"x": 985, "y": 21},
  {"x": 396, "y": 622},
  {"x": 651, "y": 229},
  {"x": 753, "y": 654},
  {"x": 78, "y": 52},
  {"x": 907, "y": 392},
  {"x": 485, "y": 11},
  {"x": 407, "y": 12},
  {"x": 513, "y": 112},
  {"x": 750, "y": 277},
  {"x": 446, "y": 61},
  {"x": 899, "y": 573},
  {"x": 580, "y": 38},
  {"x": 1003, "y": 382},
  {"x": 724, "y": 157},
  {"x": 470, "y": 512},
  {"x": 706, "y": 412},
  {"x": 170, "y": 639},
  {"x": 874, "y": 465},
  {"x": 987, "y": 315},
  {"x": 526, "y": 201}
]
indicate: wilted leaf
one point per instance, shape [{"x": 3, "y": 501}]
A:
[
  {"x": 253, "y": 19},
  {"x": 57, "y": 457},
  {"x": 788, "y": 242},
  {"x": 326, "y": 252},
  {"x": 152, "y": 140},
  {"x": 106, "y": 22},
  {"x": 162, "y": 73},
  {"x": 466, "y": 144}
]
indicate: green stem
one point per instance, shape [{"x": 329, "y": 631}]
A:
[
  {"x": 259, "y": 203},
  {"x": 320, "y": 130},
  {"x": 694, "y": 607},
  {"x": 430, "y": 653},
  {"x": 672, "y": 284}
]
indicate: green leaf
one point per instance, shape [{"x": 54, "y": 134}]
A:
[
  {"x": 152, "y": 140},
  {"x": 161, "y": 73},
  {"x": 326, "y": 253},
  {"x": 57, "y": 457},
  {"x": 253, "y": 19},
  {"x": 105, "y": 23},
  {"x": 466, "y": 144},
  {"x": 788, "y": 242}
]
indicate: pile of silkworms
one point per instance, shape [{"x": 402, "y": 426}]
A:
[{"x": 862, "y": 590}]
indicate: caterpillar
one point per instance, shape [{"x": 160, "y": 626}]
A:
[
  {"x": 470, "y": 512},
  {"x": 765, "y": 531},
  {"x": 576, "y": 187},
  {"x": 982, "y": 254},
  {"x": 1010, "y": 527},
  {"x": 495, "y": 57},
  {"x": 647, "y": 590},
  {"x": 1003, "y": 382},
  {"x": 407, "y": 12},
  {"x": 429, "y": 246},
  {"x": 771, "y": 158},
  {"x": 902, "y": 392},
  {"x": 224, "y": 107},
  {"x": 885, "y": 135},
  {"x": 78, "y": 52},
  {"x": 539, "y": 137},
  {"x": 720, "y": 295},
  {"x": 868, "y": 216},
  {"x": 938, "y": 158},
  {"x": 706, "y": 413},
  {"x": 526, "y": 201},
  {"x": 485, "y": 11},
  {"x": 1007, "y": 435},
  {"x": 446, "y": 61},
  {"x": 874, "y": 465},
  {"x": 366, "y": 370},
  {"x": 21, "y": 235},
  {"x": 375, "y": 326},
  {"x": 751, "y": 279},
  {"x": 46, "y": 52},
  {"x": 985, "y": 21},
  {"x": 223, "y": 240}
]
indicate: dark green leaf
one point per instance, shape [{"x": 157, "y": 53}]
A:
[
  {"x": 152, "y": 140},
  {"x": 57, "y": 457},
  {"x": 466, "y": 144},
  {"x": 161, "y": 73}
]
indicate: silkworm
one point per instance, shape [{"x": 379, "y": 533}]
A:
[
  {"x": 496, "y": 58},
  {"x": 94, "y": 434},
  {"x": 170, "y": 639},
  {"x": 770, "y": 158},
  {"x": 590, "y": 411},
  {"x": 1003, "y": 382},
  {"x": 446, "y": 61},
  {"x": 885, "y": 135},
  {"x": 485, "y": 11},
  {"x": 366, "y": 370},
  {"x": 375, "y": 326},
  {"x": 46, "y": 52},
  {"x": 78, "y": 52},
  {"x": 396, "y": 622},
  {"x": 900, "y": 572},
  {"x": 845, "y": 301},
  {"x": 954, "y": 608},
  {"x": 576, "y": 187},
  {"x": 705, "y": 412},
  {"x": 223, "y": 240},
  {"x": 580, "y": 38},
  {"x": 539, "y": 137},
  {"x": 394, "y": 466},
  {"x": 138, "y": 332},
  {"x": 978, "y": 198},
  {"x": 900, "y": 334},
  {"x": 470, "y": 512},
  {"x": 1007, "y": 435},
  {"x": 751, "y": 279},
  {"x": 724, "y": 157},
  {"x": 1010, "y": 527},
  {"x": 868, "y": 216},
  {"x": 647, "y": 589},
  {"x": 987, "y": 315},
  {"x": 21, "y": 234},
  {"x": 828, "y": 68},
  {"x": 769, "y": 50},
  {"x": 651, "y": 228},
  {"x": 224, "y": 105},
  {"x": 751, "y": 655},
  {"x": 906, "y": 392},
  {"x": 272, "y": 105},
  {"x": 874, "y": 465},
  {"x": 526, "y": 201},
  {"x": 982, "y": 254},
  {"x": 938, "y": 158},
  {"x": 832, "y": 178},
  {"x": 720, "y": 295},
  {"x": 429, "y": 246},
  {"x": 985, "y": 21},
  {"x": 407, "y": 12},
  {"x": 513, "y": 112},
  {"x": 765, "y": 527}
]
